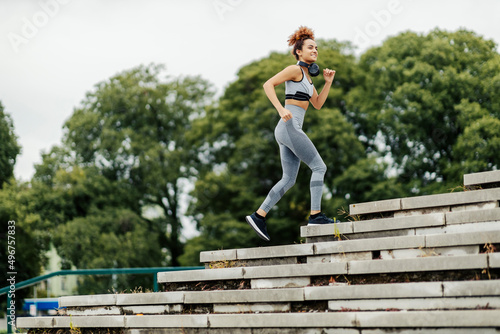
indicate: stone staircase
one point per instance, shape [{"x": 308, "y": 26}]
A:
[{"x": 427, "y": 264}]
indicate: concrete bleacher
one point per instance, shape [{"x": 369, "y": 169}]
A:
[{"x": 426, "y": 264}]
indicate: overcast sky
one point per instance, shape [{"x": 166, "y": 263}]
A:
[{"x": 54, "y": 51}]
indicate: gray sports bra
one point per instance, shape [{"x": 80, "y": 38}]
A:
[{"x": 301, "y": 90}]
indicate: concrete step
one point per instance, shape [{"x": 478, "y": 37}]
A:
[
  {"x": 344, "y": 250},
  {"x": 415, "y": 304},
  {"x": 300, "y": 275},
  {"x": 484, "y": 179},
  {"x": 450, "y": 222},
  {"x": 425, "y": 204},
  {"x": 104, "y": 304},
  {"x": 323, "y": 320}
]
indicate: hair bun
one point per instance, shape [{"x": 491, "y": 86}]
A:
[{"x": 300, "y": 34}]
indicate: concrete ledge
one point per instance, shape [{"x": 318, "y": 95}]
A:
[
  {"x": 477, "y": 330},
  {"x": 283, "y": 282},
  {"x": 286, "y": 320},
  {"x": 408, "y": 242},
  {"x": 220, "y": 255},
  {"x": 424, "y": 202},
  {"x": 167, "y": 321},
  {"x": 425, "y": 252},
  {"x": 374, "y": 291},
  {"x": 340, "y": 257},
  {"x": 99, "y": 310},
  {"x": 252, "y": 308},
  {"x": 462, "y": 239},
  {"x": 494, "y": 260},
  {"x": 201, "y": 275},
  {"x": 376, "y": 225},
  {"x": 437, "y": 219},
  {"x": 152, "y": 309},
  {"x": 376, "y": 206},
  {"x": 405, "y": 290},
  {"x": 149, "y": 298},
  {"x": 461, "y": 217},
  {"x": 415, "y": 319},
  {"x": 276, "y": 251},
  {"x": 90, "y": 300},
  {"x": 488, "y": 226},
  {"x": 116, "y": 321},
  {"x": 257, "y": 253},
  {"x": 244, "y": 296},
  {"x": 300, "y": 270},
  {"x": 433, "y": 263},
  {"x": 35, "y": 322},
  {"x": 329, "y": 229},
  {"x": 425, "y": 319},
  {"x": 376, "y": 319},
  {"x": 485, "y": 227},
  {"x": 459, "y": 198},
  {"x": 458, "y": 303},
  {"x": 362, "y": 245},
  {"x": 471, "y": 288},
  {"x": 477, "y": 179}
]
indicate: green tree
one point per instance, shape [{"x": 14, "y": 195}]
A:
[
  {"x": 112, "y": 190},
  {"x": 413, "y": 103},
  {"x": 9, "y": 148},
  {"x": 30, "y": 235},
  {"x": 94, "y": 222},
  {"x": 132, "y": 127},
  {"x": 240, "y": 158}
]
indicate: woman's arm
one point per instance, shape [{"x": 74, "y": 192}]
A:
[
  {"x": 318, "y": 100},
  {"x": 291, "y": 72}
]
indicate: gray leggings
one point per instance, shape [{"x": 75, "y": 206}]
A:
[{"x": 294, "y": 147}]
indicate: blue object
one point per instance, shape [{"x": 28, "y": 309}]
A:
[{"x": 42, "y": 304}]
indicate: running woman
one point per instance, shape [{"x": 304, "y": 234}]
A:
[{"x": 294, "y": 144}]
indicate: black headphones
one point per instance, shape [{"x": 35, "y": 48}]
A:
[{"x": 313, "y": 68}]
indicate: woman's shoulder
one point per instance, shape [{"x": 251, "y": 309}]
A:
[{"x": 294, "y": 72}]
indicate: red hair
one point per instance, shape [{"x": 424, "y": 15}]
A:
[{"x": 297, "y": 39}]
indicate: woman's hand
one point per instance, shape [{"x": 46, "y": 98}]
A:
[
  {"x": 285, "y": 114},
  {"x": 328, "y": 74}
]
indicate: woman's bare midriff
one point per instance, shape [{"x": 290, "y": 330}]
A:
[{"x": 302, "y": 104}]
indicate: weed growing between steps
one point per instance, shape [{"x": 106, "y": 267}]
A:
[
  {"x": 198, "y": 309},
  {"x": 310, "y": 306},
  {"x": 225, "y": 264},
  {"x": 479, "y": 187},
  {"x": 435, "y": 276},
  {"x": 207, "y": 286},
  {"x": 76, "y": 331},
  {"x": 489, "y": 248}
]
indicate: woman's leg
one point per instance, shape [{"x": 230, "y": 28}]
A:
[
  {"x": 290, "y": 164},
  {"x": 304, "y": 149}
]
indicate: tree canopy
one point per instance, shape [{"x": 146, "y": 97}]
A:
[
  {"x": 112, "y": 190},
  {"x": 421, "y": 97},
  {"x": 9, "y": 148}
]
